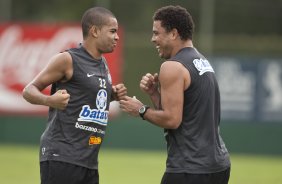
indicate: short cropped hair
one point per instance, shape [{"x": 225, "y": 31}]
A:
[
  {"x": 97, "y": 16},
  {"x": 176, "y": 17}
]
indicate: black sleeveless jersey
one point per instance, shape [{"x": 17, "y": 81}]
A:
[
  {"x": 74, "y": 135},
  {"x": 196, "y": 146}
]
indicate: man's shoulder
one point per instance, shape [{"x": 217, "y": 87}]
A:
[
  {"x": 171, "y": 68},
  {"x": 65, "y": 56}
]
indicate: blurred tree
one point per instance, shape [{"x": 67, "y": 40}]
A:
[
  {"x": 248, "y": 16},
  {"x": 5, "y": 10},
  {"x": 231, "y": 17},
  {"x": 50, "y": 11}
]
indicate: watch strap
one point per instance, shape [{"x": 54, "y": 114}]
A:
[{"x": 143, "y": 113}]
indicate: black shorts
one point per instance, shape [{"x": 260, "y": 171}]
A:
[
  {"x": 185, "y": 178},
  {"x": 54, "y": 172}
]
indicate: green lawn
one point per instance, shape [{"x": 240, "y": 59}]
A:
[{"x": 19, "y": 164}]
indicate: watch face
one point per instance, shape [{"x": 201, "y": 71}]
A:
[{"x": 142, "y": 109}]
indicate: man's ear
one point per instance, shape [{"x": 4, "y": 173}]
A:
[
  {"x": 174, "y": 33},
  {"x": 94, "y": 31}
]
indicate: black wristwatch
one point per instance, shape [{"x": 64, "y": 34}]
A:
[{"x": 143, "y": 110}]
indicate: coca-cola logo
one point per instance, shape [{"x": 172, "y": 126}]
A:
[{"x": 22, "y": 57}]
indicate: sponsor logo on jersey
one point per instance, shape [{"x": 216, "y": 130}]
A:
[
  {"x": 203, "y": 66},
  {"x": 99, "y": 115},
  {"x": 89, "y": 128},
  {"x": 95, "y": 140},
  {"x": 93, "y": 115}
]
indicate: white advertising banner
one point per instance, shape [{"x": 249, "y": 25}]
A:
[{"x": 251, "y": 88}]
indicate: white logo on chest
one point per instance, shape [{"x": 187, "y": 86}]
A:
[
  {"x": 98, "y": 115},
  {"x": 90, "y": 75},
  {"x": 203, "y": 66}
]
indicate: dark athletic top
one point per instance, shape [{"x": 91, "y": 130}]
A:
[
  {"x": 196, "y": 145},
  {"x": 74, "y": 135}
]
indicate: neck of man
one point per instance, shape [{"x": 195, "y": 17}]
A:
[
  {"x": 180, "y": 45},
  {"x": 91, "y": 49}
]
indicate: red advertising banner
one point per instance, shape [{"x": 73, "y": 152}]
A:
[{"x": 26, "y": 48}]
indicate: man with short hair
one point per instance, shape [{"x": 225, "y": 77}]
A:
[
  {"x": 79, "y": 102},
  {"x": 186, "y": 101}
]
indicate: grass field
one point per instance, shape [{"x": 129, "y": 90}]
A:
[{"x": 19, "y": 164}]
